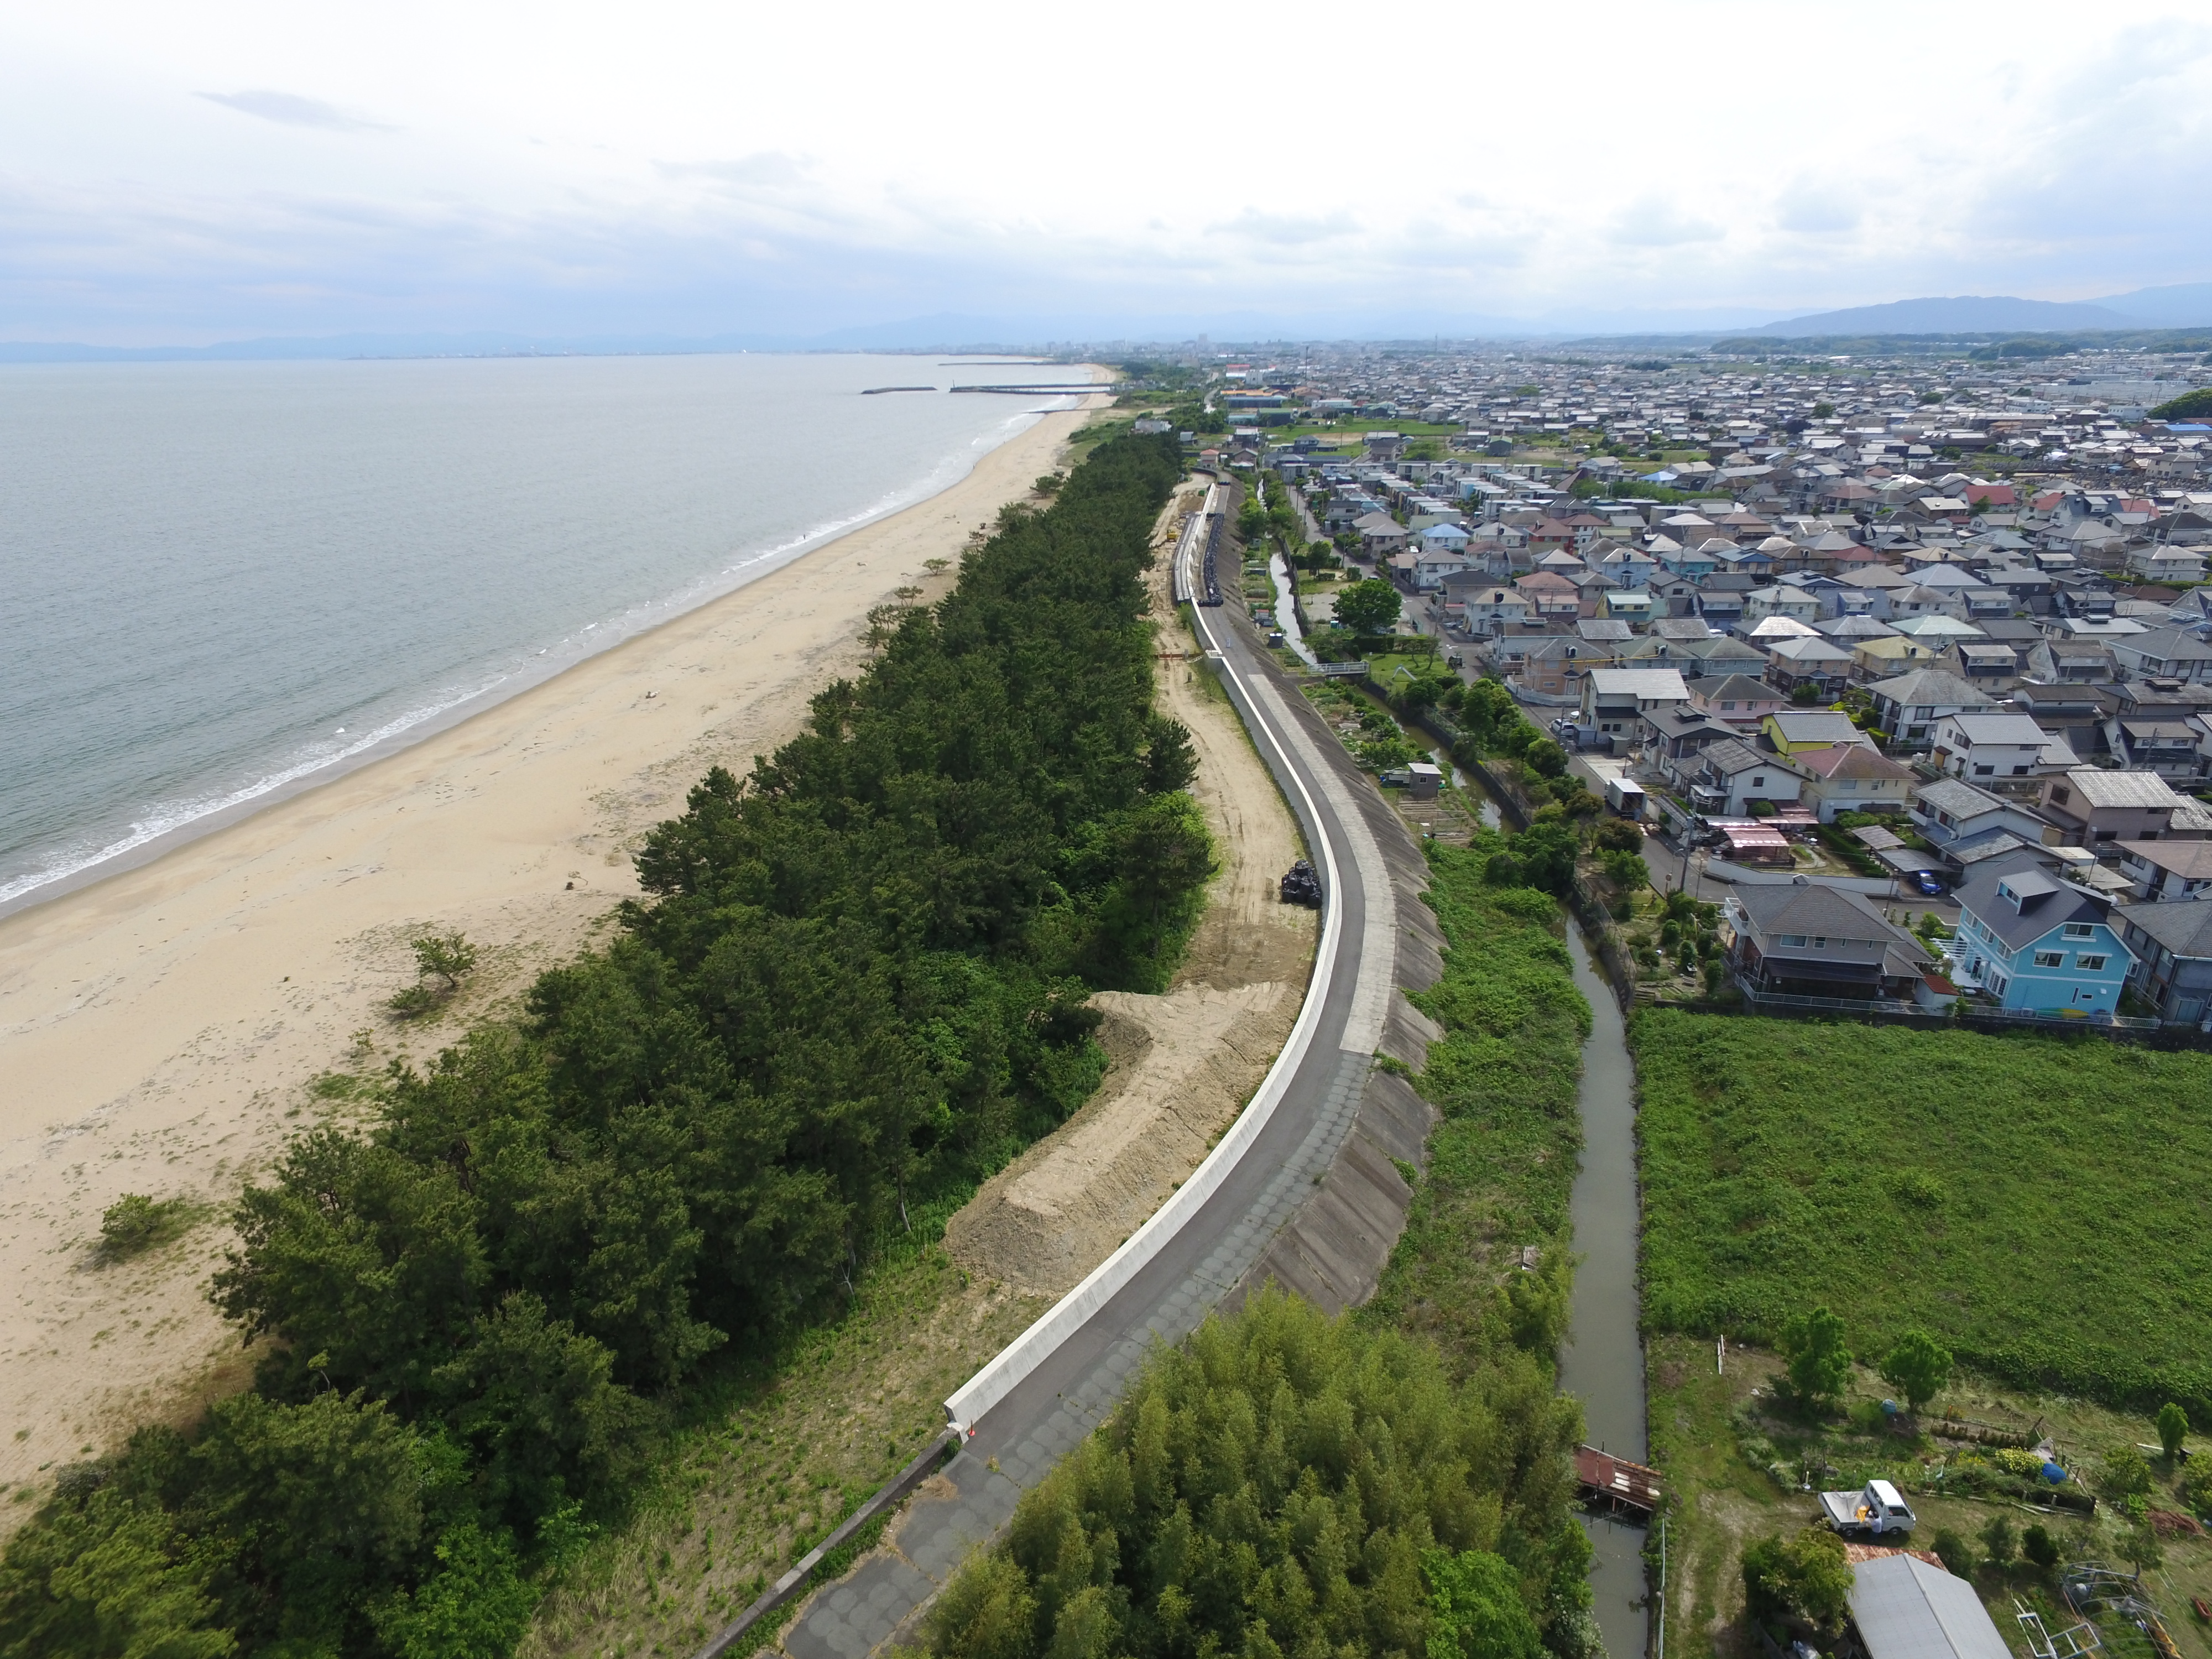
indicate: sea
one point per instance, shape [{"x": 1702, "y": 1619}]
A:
[{"x": 220, "y": 581}]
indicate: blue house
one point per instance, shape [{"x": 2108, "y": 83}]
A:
[{"x": 2037, "y": 943}]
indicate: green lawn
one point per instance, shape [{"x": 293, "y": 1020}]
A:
[{"x": 2037, "y": 1202}]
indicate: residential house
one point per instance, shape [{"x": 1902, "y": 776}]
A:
[
  {"x": 2174, "y": 654},
  {"x": 1627, "y": 567},
  {"x": 1674, "y": 739},
  {"x": 2078, "y": 713},
  {"x": 1549, "y": 595},
  {"x": 1738, "y": 699},
  {"x": 1958, "y": 819},
  {"x": 1432, "y": 564},
  {"x": 1380, "y": 535},
  {"x": 2094, "y": 808},
  {"x": 1631, "y": 605},
  {"x": 2037, "y": 943},
  {"x": 1986, "y": 664},
  {"x": 1977, "y": 746},
  {"x": 1890, "y": 655},
  {"x": 1812, "y": 661},
  {"x": 1782, "y": 601},
  {"x": 2165, "y": 563},
  {"x": 1703, "y": 658},
  {"x": 1852, "y": 777},
  {"x": 1481, "y": 605},
  {"x": 2167, "y": 747},
  {"x": 1908, "y": 706},
  {"x": 1793, "y": 939},
  {"x": 2072, "y": 662},
  {"x": 1731, "y": 774},
  {"x": 2164, "y": 870},
  {"x": 1614, "y": 700},
  {"x": 2171, "y": 945},
  {"x": 1792, "y": 729}
]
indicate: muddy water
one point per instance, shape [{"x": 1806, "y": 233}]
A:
[{"x": 1602, "y": 1360}]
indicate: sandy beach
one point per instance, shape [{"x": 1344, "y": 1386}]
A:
[{"x": 161, "y": 1030}]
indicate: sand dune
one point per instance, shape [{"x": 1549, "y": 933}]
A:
[{"x": 160, "y": 1030}]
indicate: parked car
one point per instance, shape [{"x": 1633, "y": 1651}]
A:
[
  {"x": 1881, "y": 1509},
  {"x": 1926, "y": 884}
]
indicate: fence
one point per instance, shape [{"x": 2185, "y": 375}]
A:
[{"x": 1884, "y": 1010}]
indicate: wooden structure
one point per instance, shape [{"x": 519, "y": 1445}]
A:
[{"x": 1615, "y": 1483}]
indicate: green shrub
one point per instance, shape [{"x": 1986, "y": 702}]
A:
[
  {"x": 1802, "y": 1580},
  {"x": 1954, "y": 1552}
]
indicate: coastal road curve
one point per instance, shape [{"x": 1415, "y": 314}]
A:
[{"x": 1056, "y": 1384}]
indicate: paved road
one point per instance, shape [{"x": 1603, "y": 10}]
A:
[{"x": 1325, "y": 1069}]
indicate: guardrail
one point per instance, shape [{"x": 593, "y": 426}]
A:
[{"x": 788, "y": 1587}]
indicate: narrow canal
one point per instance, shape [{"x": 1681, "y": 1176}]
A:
[
  {"x": 1602, "y": 1360},
  {"x": 1286, "y": 610}
]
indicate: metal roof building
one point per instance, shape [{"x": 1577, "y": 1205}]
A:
[{"x": 1905, "y": 1609}]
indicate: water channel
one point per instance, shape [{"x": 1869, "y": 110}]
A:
[
  {"x": 1601, "y": 1362},
  {"x": 1286, "y": 611}
]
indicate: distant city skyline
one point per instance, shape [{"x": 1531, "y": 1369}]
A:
[{"x": 247, "y": 170}]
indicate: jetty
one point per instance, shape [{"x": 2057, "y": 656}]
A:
[
  {"x": 1615, "y": 1483},
  {"x": 1072, "y": 390},
  {"x": 878, "y": 391}
]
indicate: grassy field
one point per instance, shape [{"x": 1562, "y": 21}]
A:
[
  {"x": 2037, "y": 1203},
  {"x": 1503, "y": 1160}
]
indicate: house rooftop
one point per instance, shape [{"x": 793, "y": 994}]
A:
[
  {"x": 1961, "y": 800},
  {"x": 2181, "y": 926},
  {"x": 2000, "y": 728},
  {"x": 2099, "y": 788},
  {"x": 1659, "y": 683},
  {"x": 2016, "y": 901},
  {"x": 1850, "y": 759},
  {"x": 1933, "y": 687}
]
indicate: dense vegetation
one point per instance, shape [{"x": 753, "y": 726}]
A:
[
  {"x": 1282, "y": 1484},
  {"x": 2035, "y": 1204},
  {"x": 1395, "y": 1481},
  {"x": 857, "y": 983}
]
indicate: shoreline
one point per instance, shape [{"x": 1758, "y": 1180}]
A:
[
  {"x": 164, "y": 1026},
  {"x": 293, "y": 781}
]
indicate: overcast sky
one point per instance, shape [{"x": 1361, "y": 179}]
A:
[{"x": 178, "y": 173}]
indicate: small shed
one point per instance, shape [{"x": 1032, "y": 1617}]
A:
[
  {"x": 1423, "y": 780},
  {"x": 1755, "y": 843},
  {"x": 1905, "y": 1608}
]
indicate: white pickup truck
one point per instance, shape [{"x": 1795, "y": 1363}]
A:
[{"x": 1880, "y": 1508}]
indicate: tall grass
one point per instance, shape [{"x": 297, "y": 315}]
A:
[{"x": 2039, "y": 1203}]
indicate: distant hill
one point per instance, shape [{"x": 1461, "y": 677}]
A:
[
  {"x": 1967, "y": 314},
  {"x": 2187, "y": 304}
]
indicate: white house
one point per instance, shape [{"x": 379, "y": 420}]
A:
[{"x": 1975, "y": 746}]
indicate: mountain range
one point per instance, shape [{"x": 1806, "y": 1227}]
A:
[{"x": 2187, "y": 304}]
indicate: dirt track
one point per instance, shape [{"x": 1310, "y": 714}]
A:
[{"x": 1184, "y": 1062}]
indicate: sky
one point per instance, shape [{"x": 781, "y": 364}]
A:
[{"x": 181, "y": 174}]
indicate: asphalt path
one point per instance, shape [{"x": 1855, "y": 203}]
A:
[{"x": 1315, "y": 1095}]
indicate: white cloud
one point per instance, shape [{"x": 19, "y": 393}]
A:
[
  {"x": 288, "y": 109},
  {"x": 553, "y": 165},
  {"x": 1652, "y": 223}
]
